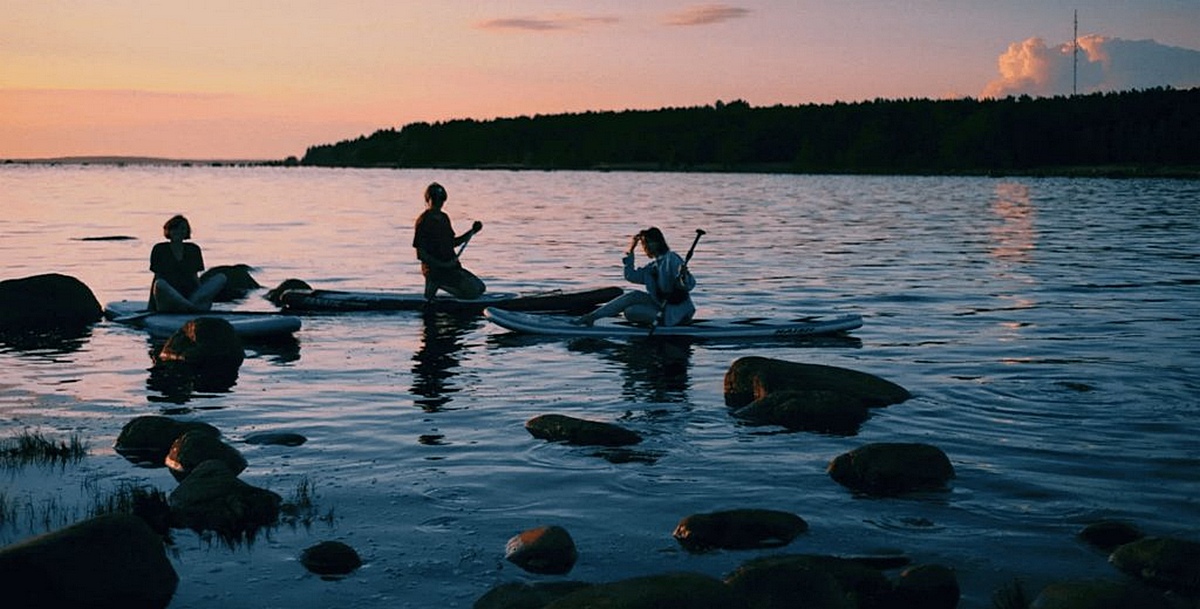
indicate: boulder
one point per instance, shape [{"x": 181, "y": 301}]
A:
[
  {"x": 561, "y": 428},
  {"x": 808, "y": 580},
  {"x": 1165, "y": 562},
  {"x": 891, "y": 468},
  {"x": 817, "y": 410},
  {"x": 205, "y": 343},
  {"x": 518, "y": 595},
  {"x": 238, "y": 281},
  {"x": 546, "y": 550},
  {"x": 1091, "y": 594},
  {"x": 199, "y": 446},
  {"x": 691, "y": 590},
  {"x": 147, "y": 439},
  {"x": 212, "y": 498},
  {"x": 47, "y": 302},
  {"x": 330, "y": 558},
  {"x": 1109, "y": 534},
  {"x": 743, "y": 529},
  {"x": 274, "y": 295},
  {"x": 115, "y": 560},
  {"x": 752, "y": 378},
  {"x": 927, "y": 586}
]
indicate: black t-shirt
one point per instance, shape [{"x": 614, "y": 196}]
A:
[{"x": 181, "y": 273}]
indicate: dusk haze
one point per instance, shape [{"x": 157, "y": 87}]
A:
[{"x": 263, "y": 80}]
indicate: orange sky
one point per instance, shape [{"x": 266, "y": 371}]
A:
[{"x": 254, "y": 79}]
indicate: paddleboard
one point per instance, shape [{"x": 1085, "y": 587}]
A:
[
  {"x": 247, "y": 324},
  {"x": 339, "y": 300},
  {"x": 733, "y": 328}
]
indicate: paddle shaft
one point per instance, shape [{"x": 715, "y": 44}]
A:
[{"x": 662, "y": 307}]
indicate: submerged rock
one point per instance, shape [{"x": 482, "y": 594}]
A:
[
  {"x": 47, "y": 302},
  {"x": 517, "y": 595},
  {"x": 752, "y": 378},
  {"x": 330, "y": 558},
  {"x": 890, "y": 468},
  {"x": 275, "y": 438},
  {"x": 147, "y": 439},
  {"x": 547, "y": 550},
  {"x": 1110, "y": 534},
  {"x": 808, "y": 580},
  {"x": 691, "y": 590},
  {"x": 928, "y": 587},
  {"x": 212, "y": 498},
  {"x": 742, "y": 529},
  {"x": 274, "y": 295},
  {"x": 1166, "y": 562},
  {"x": 196, "y": 447},
  {"x": 115, "y": 560},
  {"x": 238, "y": 281},
  {"x": 205, "y": 342},
  {"x": 807, "y": 410},
  {"x": 1090, "y": 594},
  {"x": 561, "y": 428}
]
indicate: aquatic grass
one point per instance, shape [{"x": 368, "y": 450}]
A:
[
  {"x": 32, "y": 447},
  {"x": 301, "y": 507},
  {"x": 1010, "y": 596}
]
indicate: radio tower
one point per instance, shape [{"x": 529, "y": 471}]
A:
[{"x": 1075, "y": 58}]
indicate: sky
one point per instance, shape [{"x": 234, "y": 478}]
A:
[{"x": 259, "y": 79}]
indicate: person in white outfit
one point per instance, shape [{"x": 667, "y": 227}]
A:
[{"x": 667, "y": 281}]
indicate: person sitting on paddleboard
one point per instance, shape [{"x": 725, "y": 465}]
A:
[
  {"x": 177, "y": 287},
  {"x": 668, "y": 285},
  {"x": 434, "y": 241}
]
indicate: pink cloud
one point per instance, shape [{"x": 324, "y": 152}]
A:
[
  {"x": 1032, "y": 68},
  {"x": 544, "y": 24},
  {"x": 706, "y": 14}
]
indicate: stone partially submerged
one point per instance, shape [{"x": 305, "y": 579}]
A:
[
  {"x": 115, "y": 560},
  {"x": 562, "y": 428},
  {"x": 47, "y": 302},
  {"x": 742, "y": 529},
  {"x": 892, "y": 468},
  {"x": 212, "y": 498},
  {"x": 752, "y": 378},
  {"x": 147, "y": 439},
  {"x": 817, "y": 410},
  {"x": 546, "y": 550}
]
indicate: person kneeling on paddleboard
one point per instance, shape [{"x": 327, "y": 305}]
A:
[
  {"x": 176, "y": 287},
  {"x": 434, "y": 241},
  {"x": 667, "y": 300}
]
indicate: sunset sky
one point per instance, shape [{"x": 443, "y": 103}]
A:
[{"x": 256, "y": 79}]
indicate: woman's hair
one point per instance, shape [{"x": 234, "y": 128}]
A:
[
  {"x": 655, "y": 235},
  {"x": 435, "y": 190},
  {"x": 176, "y": 220}
]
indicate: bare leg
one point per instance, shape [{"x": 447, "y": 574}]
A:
[
  {"x": 634, "y": 304},
  {"x": 202, "y": 300},
  {"x": 167, "y": 299}
]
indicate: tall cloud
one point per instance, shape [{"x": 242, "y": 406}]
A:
[{"x": 1105, "y": 64}]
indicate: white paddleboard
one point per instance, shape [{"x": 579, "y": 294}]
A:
[
  {"x": 558, "y": 325},
  {"x": 247, "y": 324}
]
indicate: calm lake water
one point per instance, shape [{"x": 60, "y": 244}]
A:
[{"x": 1048, "y": 328}]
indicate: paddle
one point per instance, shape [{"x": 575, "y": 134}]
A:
[{"x": 682, "y": 269}]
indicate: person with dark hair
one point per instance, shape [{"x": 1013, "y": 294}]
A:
[
  {"x": 667, "y": 281},
  {"x": 435, "y": 241},
  {"x": 176, "y": 266}
]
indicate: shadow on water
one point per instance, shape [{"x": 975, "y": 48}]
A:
[
  {"x": 45, "y": 343},
  {"x": 653, "y": 370},
  {"x": 436, "y": 361}
]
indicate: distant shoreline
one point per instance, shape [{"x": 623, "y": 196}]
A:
[{"x": 1112, "y": 171}]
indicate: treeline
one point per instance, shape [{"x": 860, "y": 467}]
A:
[{"x": 1143, "y": 131}]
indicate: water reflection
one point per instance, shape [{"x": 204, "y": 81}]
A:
[
  {"x": 651, "y": 370},
  {"x": 179, "y": 383},
  {"x": 436, "y": 361},
  {"x": 1014, "y": 239},
  {"x": 45, "y": 343}
]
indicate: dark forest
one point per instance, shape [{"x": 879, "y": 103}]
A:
[{"x": 1150, "y": 132}]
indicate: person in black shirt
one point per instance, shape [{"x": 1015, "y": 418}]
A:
[{"x": 176, "y": 266}]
